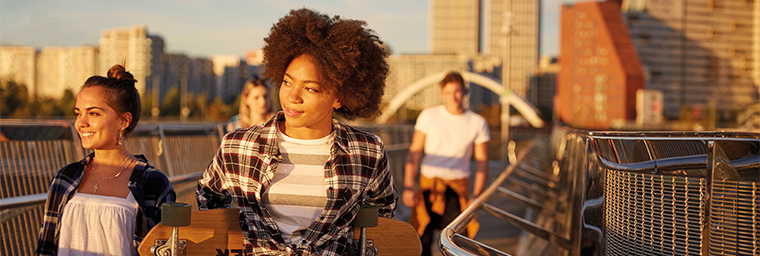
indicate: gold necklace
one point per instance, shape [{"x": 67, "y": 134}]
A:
[{"x": 122, "y": 167}]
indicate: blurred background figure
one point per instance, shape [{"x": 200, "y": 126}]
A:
[
  {"x": 449, "y": 135},
  {"x": 255, "y": 105}
]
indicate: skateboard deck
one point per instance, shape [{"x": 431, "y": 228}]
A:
[
  {"x": 393, "y": 237},
  {"x": 217, "y": 231},
  {"x": 210, "y": 232}
]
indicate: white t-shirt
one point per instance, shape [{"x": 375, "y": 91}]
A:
[
  {"x": 449, "y": 141},
  {"x": 297, "y": 194}
]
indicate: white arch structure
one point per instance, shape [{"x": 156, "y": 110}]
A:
[{"x": 506, "y": 97}]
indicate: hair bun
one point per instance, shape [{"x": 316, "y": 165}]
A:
[{"x": 120, "y": 73}]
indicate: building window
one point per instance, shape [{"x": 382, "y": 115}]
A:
[{"x": 713, "y": 68}]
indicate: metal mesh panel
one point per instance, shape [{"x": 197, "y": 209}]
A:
[
  {"x": 734, "y": 218},
  {"x": 649, "y": 214},
  {"x": 190, "y": 154},
  {"x": 26, "y": 169},
  {"x": 150, "y": 147}
]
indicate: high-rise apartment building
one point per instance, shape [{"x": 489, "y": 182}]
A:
[
  {"x": 509, "y": 30},
  {"x": 544, "y": 86},
  {"x": 201, "y": 76},
  {"x": 65, "y": 68},
  {"x": 600, "y": 70},
  {"x": 512, "y": 33},
  {"x": 701, "y": 54},
  {"x": 139, "y": 52},
  {"x": 231, "y": 73},
  {"x": 18, "y": 64},
  {"x": 454, "y": 27}
]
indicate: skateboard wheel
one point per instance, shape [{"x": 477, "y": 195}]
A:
[
  {"x": 367, "y": 217},
  {"x": 175, "y": 214}
]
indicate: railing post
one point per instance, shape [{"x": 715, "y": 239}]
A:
[
  {"x": 165, "y": 151},
  {"x": 708, "y": 194},
  {"x": 77, "y": 141}
]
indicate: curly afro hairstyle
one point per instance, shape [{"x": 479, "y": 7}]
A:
[{"x": 350, "y": 58}]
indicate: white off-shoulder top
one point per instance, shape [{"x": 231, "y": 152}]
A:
[{"x": 98, "y": 225}]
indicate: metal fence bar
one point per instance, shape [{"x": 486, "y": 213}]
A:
[
  {"x": 183, "y": 151},
  {"x": 451, "y": 242}
]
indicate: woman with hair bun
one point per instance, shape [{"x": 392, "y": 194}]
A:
[
  {"x": 105, "y": 203},
  {"x": 301, "y": 178}
]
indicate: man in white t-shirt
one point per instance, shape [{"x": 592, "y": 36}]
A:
[{"x": 449, "y": 135}]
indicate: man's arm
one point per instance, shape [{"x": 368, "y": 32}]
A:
[
  {"x": 410, "y": 169},
  {"x": 481, "y": 156}
]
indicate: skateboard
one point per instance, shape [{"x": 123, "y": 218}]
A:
[{"x": 217, "y": 232}]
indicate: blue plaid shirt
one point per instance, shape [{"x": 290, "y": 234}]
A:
[
  {"x": 356, "y": 173},
  {"x": 148, "y": 185}
]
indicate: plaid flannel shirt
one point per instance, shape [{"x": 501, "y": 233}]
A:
[
  {"x": 356, "y": 173},
  {"x": 150, "y": 187}
]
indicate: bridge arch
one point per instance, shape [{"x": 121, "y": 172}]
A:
[{"x": 506, "y": 97}]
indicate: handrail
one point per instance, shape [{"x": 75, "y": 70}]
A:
[
  {"x": 450, "y": 238},
  {"x": 12, "y": 206}
]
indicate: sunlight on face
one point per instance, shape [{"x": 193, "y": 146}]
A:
[
  {"x": 308, "y": 107},
  {"x": 97, "y": 123}
]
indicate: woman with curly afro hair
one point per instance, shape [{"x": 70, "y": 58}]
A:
[{"x": 300, "y": 179}]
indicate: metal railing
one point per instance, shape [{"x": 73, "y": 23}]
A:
[
  {"x": 628, "y": 193},
  {"x": 35, "y": 150},
  {"x": 533, "y": 181}
]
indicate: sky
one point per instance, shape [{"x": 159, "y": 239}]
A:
[{"x": 202, "y": 28}]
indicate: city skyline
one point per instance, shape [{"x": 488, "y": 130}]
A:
[{"x": 403, "y": 25}]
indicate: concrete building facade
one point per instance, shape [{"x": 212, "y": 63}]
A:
[
  {"x": 19, "y": 64},
  {"x": 65, "y": 68},
  {"x": 544, "y": 86},
  {"x": 231, "y": 72},
  {"x": 702, "y": 54},
  {"x": 512, "y": 34},
  {"x": 139, "y": 52},
  {"x": 454, "y": 27}
]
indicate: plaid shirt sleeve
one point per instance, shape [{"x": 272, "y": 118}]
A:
[
  {"x": 211, "y": 192},
  {"x": 155, "y": 189},
  {"x": 63, "y": 183},
  {"x": 381, "y": 191}
]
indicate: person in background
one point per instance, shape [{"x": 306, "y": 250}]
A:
[
  {"x": 255, "y": 105},
  {"x": 301, "y": 178},
  {"x": 448, "y": 134},
  {"x": 105, "y": 203}
]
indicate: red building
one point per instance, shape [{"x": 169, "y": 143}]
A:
[{"x": 600, "y": 69}]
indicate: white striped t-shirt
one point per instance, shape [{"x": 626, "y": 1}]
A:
[{"x": 297, "y": 194}]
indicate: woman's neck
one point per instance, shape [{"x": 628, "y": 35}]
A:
[{"x": 111, "y": 156}]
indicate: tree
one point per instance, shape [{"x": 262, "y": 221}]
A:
[
  {"x": 12, "y": 97},
  {"x": 146, "y": 103},
  {"x": 218, "y": 111},
  {"x": 67, "y": 103},
  {"x": 170, "y": 104}
]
